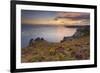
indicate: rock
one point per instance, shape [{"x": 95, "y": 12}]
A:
[
  {"x": 31, "y": 42},
  {"x": 85, "y": 30},
  {"x": 81, "y": 31},
  {"x": 39, "y": 39}
]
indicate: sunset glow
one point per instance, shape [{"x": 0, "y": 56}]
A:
[{"x": 54, "y": 18}]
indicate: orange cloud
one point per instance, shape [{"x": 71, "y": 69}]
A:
[
  {"x": 68, "y": 14},
  {"x": 62, "y": 18}
]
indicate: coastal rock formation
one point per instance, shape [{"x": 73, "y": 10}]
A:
[
  {"x": 38, "y": 39},
  {"x": 81, "y": 31}
]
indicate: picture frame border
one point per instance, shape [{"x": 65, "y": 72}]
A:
[{"x": 13, "y": 35}]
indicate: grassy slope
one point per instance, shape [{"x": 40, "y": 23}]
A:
[{"x": 76, "y": 49}]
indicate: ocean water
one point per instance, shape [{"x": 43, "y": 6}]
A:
[{"x": 49, "y": 33}]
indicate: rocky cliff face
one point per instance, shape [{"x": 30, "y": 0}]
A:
[{"x": 81, "y": 31}]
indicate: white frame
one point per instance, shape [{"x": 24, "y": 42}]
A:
[{"x": 58, "y": 63}]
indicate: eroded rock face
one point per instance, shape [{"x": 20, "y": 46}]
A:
[{"x": 81, "y": 31}]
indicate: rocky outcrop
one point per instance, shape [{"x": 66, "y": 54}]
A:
[
  {"x": 38, "y": 39},
  {"x": 81, "y": 31}
]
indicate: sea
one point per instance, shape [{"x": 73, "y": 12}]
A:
[{"x": 49, "y": 33}]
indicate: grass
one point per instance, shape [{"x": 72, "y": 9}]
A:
[{"x": 41, "y": 51}]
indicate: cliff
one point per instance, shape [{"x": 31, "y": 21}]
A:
[{"x": 81, "y": 31}]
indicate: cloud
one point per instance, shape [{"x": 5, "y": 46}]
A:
[
  {"x": 74, "y": 18},
  {"x": 61, "y": 18},
  {"x": 73, "y": 15}
]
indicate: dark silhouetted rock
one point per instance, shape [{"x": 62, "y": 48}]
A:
[
  {"x": 39, "y": 39},
  {"x": 31, "y": 42},
  {"x": 42, "y": 39}
]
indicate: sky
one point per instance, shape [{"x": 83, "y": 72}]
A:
[{"x": 34, "y": 17}]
